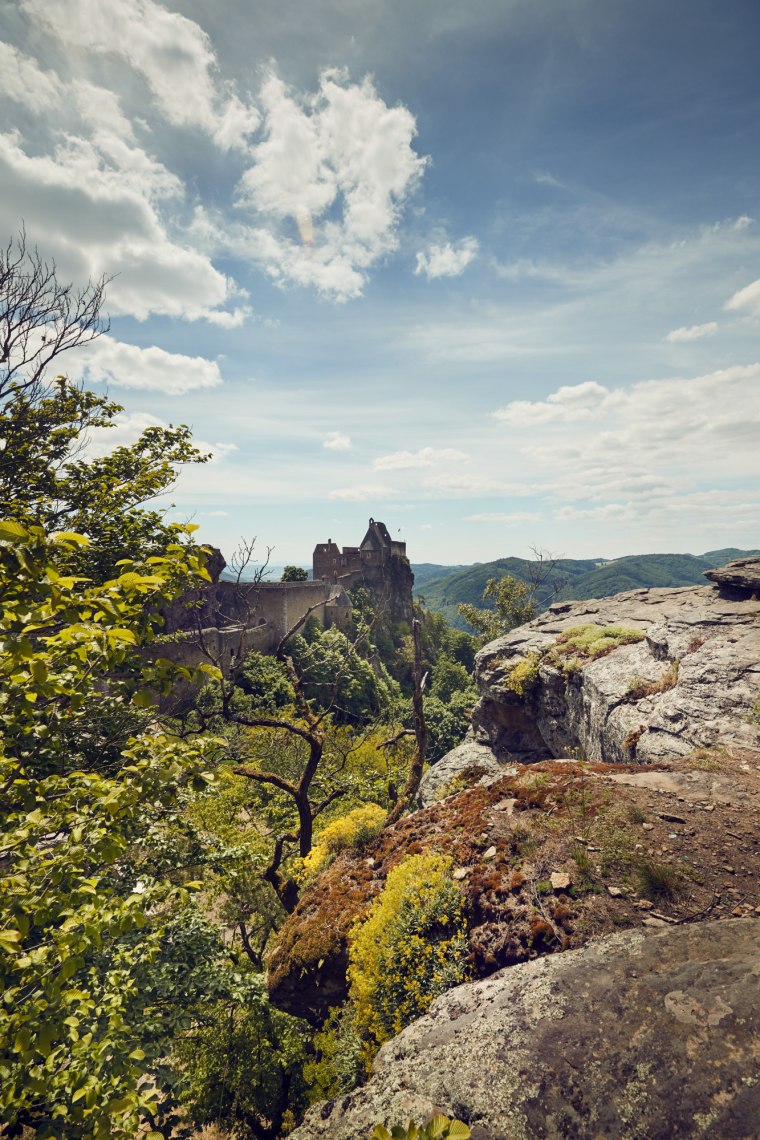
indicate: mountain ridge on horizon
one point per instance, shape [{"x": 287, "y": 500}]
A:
[{"x": 570, "y": 579}]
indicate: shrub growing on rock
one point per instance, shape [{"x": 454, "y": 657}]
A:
[
  {"x": 351, "y": 830},
  {"x": 410, "y": 949},
  {"x": 522, "y": 677}
]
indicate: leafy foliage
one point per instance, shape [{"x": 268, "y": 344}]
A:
[
  {"x": 351, "y": 830},
  {"x": 337, "y": 677},
  {"x": 411, "y": 947},
  {"x": 294, "y": 574},
  {"x": 79, "y": 925},
  {"x": 46, "y": 477},
  {"x": 339, "y": 1064},
  {"x": 242, "y": 1064},
  {"x": 514, "y": 602}
]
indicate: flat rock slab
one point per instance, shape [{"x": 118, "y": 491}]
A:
[
  {"x": 691, "y": 786},
  {"x": 648, "y": 1034}
]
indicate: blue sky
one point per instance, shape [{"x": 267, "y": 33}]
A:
[{"x": 489, "y": 272}]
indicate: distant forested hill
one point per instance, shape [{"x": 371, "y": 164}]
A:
[{"x": 571, "y": 578}]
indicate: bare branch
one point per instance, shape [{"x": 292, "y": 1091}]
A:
[
  {"x": 40, "y": 318},
  {"x": 266, "y": 778},
  {"x": 393, "y": 740}
]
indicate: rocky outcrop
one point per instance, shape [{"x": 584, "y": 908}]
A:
[
  {"x": 644, "y": 1034},
  {"x": 611, "y": 783},
  {"x": 547, "y": 856},
  {"x": 738, "y": 579},
  {"x": 690, "y": 682}
]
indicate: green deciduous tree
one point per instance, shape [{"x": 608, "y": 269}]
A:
[
  {"x": 515, "y": 603},
  {"x": 294, "y": 574},
  {"x": 81, "y": 921},
  {"x": 49, "y": 474}
]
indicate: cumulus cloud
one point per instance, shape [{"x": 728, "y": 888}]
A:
[
  {"x": 99, "y": 215},
  {"x": 692, "y": 332},
  {"x": 447, "y": 259},
  {"x": 108, "y": 361},
  {"x": 425, "y": 457},
  {"x": 337, "y": 441},
  {"x": 172, "y": 53},
  {"x": 328, "y": 179},
  {"x": 646, "y": 443},
  {"x": 362, "y": 492},
  {"x": 24, "y": 81},
  {"x": 570, "y": 402},
  {"x": 747, "y": 298}
]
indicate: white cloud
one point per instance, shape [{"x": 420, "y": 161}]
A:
[
  {"x": 362, "y": 492},
  {"x": 747, "y": 298},
  {"x": 447, "y": 259},
  {"x": 570, "y": 402},
  {"x": 692, "y": 332},
  {"x": 226, "y": 320},
  {"x": 646, "y": 444},
  {"x": 337, "y": 441},
  {"x": 23, "y": 80},
  {"x": 512, "y": 519},
  {"x": 426, "y": 457},
  {"x": 171, "y": 52},
  {"x": 329, "y": 180},
  {"x": 97, "y": 214},
  {"x": 470, "y": 486},
  {"x": 108, "y": 361}
]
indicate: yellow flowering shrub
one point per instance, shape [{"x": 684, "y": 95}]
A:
[
  {"x": 411, "y": 947},
  {"x": 358, "y": 826}
]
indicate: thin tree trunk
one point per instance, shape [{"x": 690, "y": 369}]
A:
[{"x": 411, "y": 787}]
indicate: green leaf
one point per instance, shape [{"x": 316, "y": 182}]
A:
[
  {"x": 70, "y": 537},
  {"x": 11, "y": 531},
  {"x": 10, "y": 939}
]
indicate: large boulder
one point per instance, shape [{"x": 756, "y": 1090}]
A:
[
  {"x": 738, "y": 579},
  {"x": 468, "y": 764},
  {"x": 689, "y": 682},
  {"x": 644, "y": 1034}
]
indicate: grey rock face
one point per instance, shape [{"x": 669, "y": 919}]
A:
[
  {"x": 698, "y": 669},
  {"x": 738, "y": 579},
  {"x": 469, "y": 762},
  {"x": 648, "y": 1035}
]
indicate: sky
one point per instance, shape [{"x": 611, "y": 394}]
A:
[{"x": 489, "y": 272}]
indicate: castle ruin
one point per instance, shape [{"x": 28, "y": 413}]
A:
[{"x": 229, "y": 617}]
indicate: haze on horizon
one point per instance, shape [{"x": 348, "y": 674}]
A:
[{"x": 490, "y": 273}]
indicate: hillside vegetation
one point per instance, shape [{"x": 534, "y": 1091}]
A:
[{"x": 570, "y": 579}]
